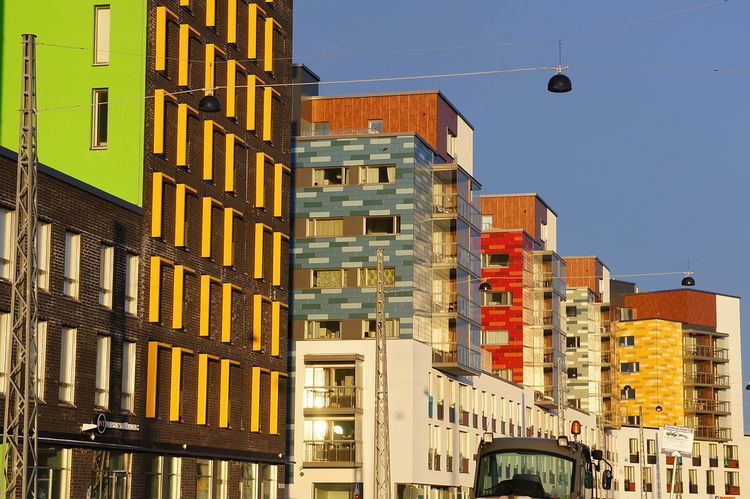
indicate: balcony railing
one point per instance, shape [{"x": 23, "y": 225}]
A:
[
  {"x": 732, "y": 490},
  {"x": 452, "y": 204},
  {"x": 706, "y": 352},
  {"x": 456, "y": 357},
  {"x": 713, "y": 433},
  {"x": 333, "y": 397},
  {"x": 339, "y": 452},
  {"x": 445, "y": 253},
  {"x": 464, "y": 467},
  {"x": 707, "y": 405},
  {"x": 706, "y": 379}
]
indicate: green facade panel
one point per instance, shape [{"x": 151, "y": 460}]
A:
[{"x": 66, "y": 78}]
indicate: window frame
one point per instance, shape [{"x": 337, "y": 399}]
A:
[
  {"x": 41, "y": 360},
  {"x": 363, "y": 174},
  {"x": 343, "y": 170},
  {"x": 486, "y": 261},
  {"x": 7, "y": 243},
  {"x": 343, "y": 281},
  {"x": 127, "y": 374},
  {"x": 132, "y": 265},
  {"x": 96, "y": 118},
  {"x": 106, "y": 274},
  {"x": 375, "y": 129},
  {"x": 68, "y": 354},
  {"x": 312, "y": 329},
  {"x": 312, "y": 226},
  {"x": 43, "y": 238},
  {"x": 487, "y": 303},
  {"x": 97, "y": 39},
  {"x": 103, "y": 371},
  {"x": 395, "y": 220},
  {"x": 485, "y": 333},
  {"x": 72, "y": 271}
]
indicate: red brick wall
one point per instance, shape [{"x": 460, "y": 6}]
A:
[{"x": 681, "y": 305}]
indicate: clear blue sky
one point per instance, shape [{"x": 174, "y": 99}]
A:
[{"x": 642, "y": 164}]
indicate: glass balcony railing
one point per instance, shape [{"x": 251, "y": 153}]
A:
[
  {"x": 455, "y": 357},
  {"x": 452, "y": 204},
  {"x": 445, "y": 253},
  {"x": 706, "y": 379},
  {"x": 713, "y": 432},
  {"x": 332, "y": 451},
  {"x": 706, "y": 352},
  {"x": 333, "y": 397},
  {"x": 707, "y": 405}
]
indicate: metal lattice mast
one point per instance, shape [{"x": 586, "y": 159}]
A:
[
  {"x": 20, "y": 421},
  {"x": 382, "y": 439}
]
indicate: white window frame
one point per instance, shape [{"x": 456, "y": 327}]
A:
[
  {"x": 363, "y": 174},
  {"x": 43, "y": 241},
  {"x": 68, "y": 343},
  {"x": 343, "y": 172},
  {"x": 103, "y": 363},
  {"x": 312, "y": 330},
  {"x": 127, "y": 399},
  {"x": 486, "y": 302},
  {"x": 372, "y": 125},
  {"x": 312, "y": 227},
  {"x": 210, "y": 477},
  {"x": 7, "y": 246},
  {"x": 174, "y": 475},
  {"x": 498, "y": 335},
  {"x": 221, "y": 478},
  {"x": 102, "y": 30},
  {"x": 132, "y": 263},
  {"x": 106, "y": 274},
  {"x": 41, "y": 360},
  {"x": 343, "y": 280},
  {"x": 4, "y": 346},
  {"x": 486, "y": 261},
  {"x": 72, "y": 264},
  {"x": 99, "y": 104}
]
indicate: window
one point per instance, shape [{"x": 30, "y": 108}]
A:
[
  {"x": 330, "y": 176},
  {"x": 570, "y": 311},
  {"x": 630, "y": 474},
  {"x": 651, "y": 447},
  {"x": 204, "y": 483},
  {"x": 128, "y": 376},
  {"x": 543, "y": 232},
  {"x": 336, "y": 278},
  {"x": 627, "y": 341},
  {"x": 103, "y": 349},
  {"x": 163, "y": 474},
  {"x": 320, "y": 128},
  {"x": 115, "y": 476},
  {"x": 68, "y": 365},
  {"x": 498, "y": 260},
  {"x": 53, "y": 475},
  {"x": 222, "y": 477},
  {"x": 43, "y": 237},
  {"x": 375, "y": 126},
  {"x": 41, "y": 359},
  {"x": 730, "y": 452},
  {"x": 696, "y": 449},
  {"x": 573, "y": 373},
  {"x": 451, "y": 144},
  {"x": 4, "y": 345},
  {"x": 633, "y": 420},
  {"x": 325, "y": 227},
  {"x": 106, "y": 275},
  {"x": 249, "y": 481},
  {"x": 630, "y": 367},
  {"x": 101, "y": 35},
  {"x": 322, "y": 330},
  {"x": 99, "y": 118},
  {"x": 497, "y": 299},
  {"x": 693, "y": 477},
  {"x": 709, "y": 477},
  {"x": 368, "y": 278},
  {"x": 377, "y": 175},
  {"x": 633, "y": 445},
  {"x": 7, "y": 250},
  {"x": 369, "y": 330},
  {"x": 269, "y": 481},
  {"x": 573, "y": 342},
  {"x": 72, "y": 264},
  {"x": 713, "y": 451},
  {"x": 494, "y": 337},
  {"x": 131, "y": 284},
  {"x": 627, "y": 392},
  {"x": 382, "y": 225},
  {"x": 486, "y": 222}
]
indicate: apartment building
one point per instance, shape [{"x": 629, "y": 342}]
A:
[
  {"x": 207, "y": 214},
  {"x": 523, "y": 317},
  {"x": 592, "y": 341},
  {"x": 680, "y": 364}
]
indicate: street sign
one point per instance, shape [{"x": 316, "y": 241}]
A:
[
  {"x": 676, "y": 439},
  {"x": 101, "y": 425}
]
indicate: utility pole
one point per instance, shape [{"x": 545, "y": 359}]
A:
[
  {"x": 382, "y": 480},
  {"x": 20, "y": 421}
]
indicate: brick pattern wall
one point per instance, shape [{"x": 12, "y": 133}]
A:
[{"x": 681, "y": 305}]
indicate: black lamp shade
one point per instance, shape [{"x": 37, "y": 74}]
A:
[
  {"x": 688, "y": 281},
  {"x": 485, "y": 286},
  {"x": 209, "y": 104},
  {"x": 559, "y": 84}
]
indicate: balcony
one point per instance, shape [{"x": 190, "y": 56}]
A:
[
  {"x": 545, "y": 398},
  {"x": 449, "y": 463},
  {"x": 707, "y": 406},
  {"x": 455, "y": 358},
  {"x": 706, "y": 379},
  {"x": 464, "y": 418},
  {"x": 451, "y": 205},
  {"x": 732, "y": 490},
  {"x": 451, "y": 302},
  {"x": 463, "y": 465},
  {"x": 732, "y": 463},
  {"x": 702, "y": 352},
  {"x": 332, "y": 454},
  {"x": 333, "y": 399},
  {"x": 549, "y": 354},
  {"x": 433, "y": 460},
  {"x": 713, "y": 433},
  {"x": 445, "y": 254}
]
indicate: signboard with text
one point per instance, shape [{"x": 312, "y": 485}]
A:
[{"x": 676, "y": 439}]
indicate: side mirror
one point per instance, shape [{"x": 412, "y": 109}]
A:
[
  {"x": 588, "y": 480},
  {"x": 597, "y": 454},
  {"x": 607, "y": 479}
]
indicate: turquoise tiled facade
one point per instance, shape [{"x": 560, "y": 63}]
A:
[{"x": 409, "y": 252}]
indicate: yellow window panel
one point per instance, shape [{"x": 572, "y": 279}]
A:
[
  {"x": 231, "y": 21},
  {"x": 229, "y": 163},
  {"x": 260, "y": 182},
  {"x": 182, "y": 117},
  {"x": 157, "y": 196},
  {"x": 252, "y": 31},
  {"x": 257, "y": 340},
  {"x": 154, "y": 290},
  {"x": 210, "y": 12},
  {"x": 151, "y": 374},
  {"x": 273, "y": 414},
  {"x": 258, "y": 259},
  {"x": 255, "y": 400},
  {"x": 224, "y": 402},
  {"x": 276, "y": 275},
  {"x": 210, "y": 67},
  {"x": 231, "y": 82},
  {"x": 160, "y": 58},
  {"x": 278, "y": 186},
  {"x": 267, "y": 113},
  {"x": 159, "y": 121},
  {"x": 184, "y": 55},
  {"x": 176, "y": 383},
  {"x": 251, "y": 97},
  {"x": 202, "y": 402},
  {"x": 208, "y": 150},
  {"x": 205, "y": 305},
  {"x": 275, "y": 328},
  {"x": 268, "y": 45}
]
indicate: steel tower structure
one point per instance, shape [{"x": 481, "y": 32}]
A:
[{"x": 382, "y": 480}]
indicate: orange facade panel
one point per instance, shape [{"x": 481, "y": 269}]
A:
[
  {"x": 584, "y": 272},
  {"x": 680, "y": 305}
]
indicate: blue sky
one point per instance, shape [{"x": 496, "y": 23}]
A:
[{"x": 646, "y": 161}]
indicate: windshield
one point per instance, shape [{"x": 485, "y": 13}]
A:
[{"x": 533, "y": 474}]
